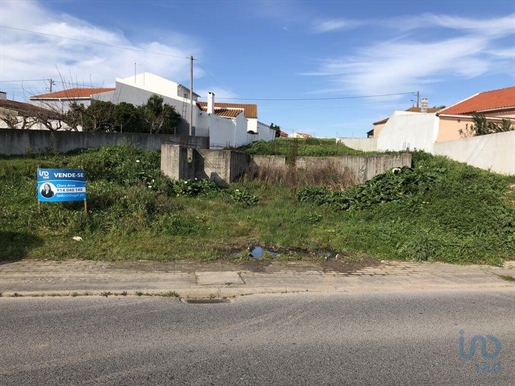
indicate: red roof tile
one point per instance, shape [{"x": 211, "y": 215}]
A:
[
  {"x": 413, "y": 109},
  {"x": 79, "y": 92},
  {"x": 250, "y": 110},
  {"x": 24, "y": 109},
  {"x": 484, "y": 101}
]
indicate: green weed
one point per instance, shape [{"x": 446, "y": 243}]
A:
[
  {"x": 507, "y": 277},
  {"x": 438, "y": 210}
]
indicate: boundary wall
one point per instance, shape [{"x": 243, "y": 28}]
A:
[
  {"x": 37, "y": 141},
  {"x": 182, "y": 163}
]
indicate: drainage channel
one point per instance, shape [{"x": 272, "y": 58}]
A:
[{"x": 206, "y": 300}]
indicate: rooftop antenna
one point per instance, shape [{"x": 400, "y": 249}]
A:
[{"x": 135, "y": 66}]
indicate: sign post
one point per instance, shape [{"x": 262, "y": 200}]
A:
[{"x": 60, "y": 185}]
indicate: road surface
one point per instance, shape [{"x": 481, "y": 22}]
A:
[{"x": 387, "y": 338}]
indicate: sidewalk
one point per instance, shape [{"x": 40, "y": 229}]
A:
[{"x": 226, "y": 279}]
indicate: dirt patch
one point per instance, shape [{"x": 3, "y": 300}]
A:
[{"x": 342, "y": 264}]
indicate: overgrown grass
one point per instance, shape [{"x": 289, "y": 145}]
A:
[
  {"x": 438, "y": 211},
  {"x": 310, "y": 147}
]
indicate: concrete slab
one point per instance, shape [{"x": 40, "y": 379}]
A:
[{"x": 218, "y": 278}]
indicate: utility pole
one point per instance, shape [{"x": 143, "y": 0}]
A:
[
  {"x": 191, "y": 96},
  {"x": 418, "y": 98},
  {"x": 51, "y": 82}
]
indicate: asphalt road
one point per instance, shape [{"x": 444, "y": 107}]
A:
[{"x": 338, "y": 339}]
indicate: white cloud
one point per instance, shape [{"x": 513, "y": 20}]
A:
[
  {"x": 321, "y": 26},
  {"x": 43, "y": 45},
  {"x": 403, "y": 64}
]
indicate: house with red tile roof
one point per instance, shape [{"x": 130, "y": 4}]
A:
[
  {"x": 230, "y": 124},
  {"x": 20, "y": 115},
  {"x": 421, "y": 128},
  {"x": 224, "y": 126},
  {"x": 495, "y": 105},
  {"x": 301, "y": 135},
  {"x": 60, "y": 101}
]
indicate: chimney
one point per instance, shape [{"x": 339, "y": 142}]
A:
[
  {"x": 423, "y": 108},
  {"x": 210, "y": 102}
]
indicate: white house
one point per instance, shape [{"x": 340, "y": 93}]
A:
[
  {"x": 60, "y": 101},
  {"x": 227, "y": 124},
  {"x": 230, "y": 124},
  {"x": 137, "y": 89},
  {"x": 20, "y": 115}
]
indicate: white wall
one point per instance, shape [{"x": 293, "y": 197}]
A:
[
  {"x": 59, "y": 105},
  {"x": 408, "y": 130},
  {"x": 363, "y": 144},
  {"x": 495, "y": 152},
  {"x": 137, "y": 96},
  {"x": 241, "y": 136},
  {"x": 265, "y": 132},
  {"x": 221, "y": 130}
]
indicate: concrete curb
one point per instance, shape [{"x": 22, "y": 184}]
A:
[{"x": 188, "y": 279}]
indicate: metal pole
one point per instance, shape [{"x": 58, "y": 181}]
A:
[{"x": 191, "y": 96}]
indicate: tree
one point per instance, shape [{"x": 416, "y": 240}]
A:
[
  {"x": 277, "y": 130},
  {"x": 96, "y": 117},
  {"x": 482, "y": 126},
  {"x": 126, "y": 118},
  {"x": 159, "y": 117}
]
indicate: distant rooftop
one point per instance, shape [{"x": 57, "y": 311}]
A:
[
  {"x": 250, "y": 110},
  {"x": 73, "y": 93}
]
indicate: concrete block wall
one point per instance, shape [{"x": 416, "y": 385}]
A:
[
  {"x": 178, "y": 162},
  {"x": 224, "y": 166},
  {"x": 269, "y": 161},
  {"x": 37, "y": 141},
  {"x": 494, "y": 152},
  {"x": 363, "y": 168}
]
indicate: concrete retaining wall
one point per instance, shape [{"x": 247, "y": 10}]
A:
[
  {"x": 269, "y": 161},
  {"x": 178, "y": 162},
  {"x": 181, "y": 163},
  {"x": 495, "y": 152},
  {"x": 37, "y": 141},
  {"x": 363, "y": 168}
]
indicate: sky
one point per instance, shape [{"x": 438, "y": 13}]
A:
[{"x": 329, "y": 68}]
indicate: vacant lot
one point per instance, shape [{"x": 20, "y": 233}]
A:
[{"x": 438, "y": 210}]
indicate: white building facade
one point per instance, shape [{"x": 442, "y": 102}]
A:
[{"x": 227, "y": 125}]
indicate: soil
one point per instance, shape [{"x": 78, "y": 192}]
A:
[{"x": 341, "y": 264}]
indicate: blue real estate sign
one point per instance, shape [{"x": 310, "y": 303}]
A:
[{"x": 57, "y": 185}]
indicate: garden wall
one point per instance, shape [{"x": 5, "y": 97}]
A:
[
  {"x": 37, "y": 141},
  {"x": 178, "y": 162}
]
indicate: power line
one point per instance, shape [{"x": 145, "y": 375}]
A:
[
  {"x": 218, "y": 83},
  {"x": 326, "y": 98},
  {"x": 22, "y": 80},
  {"x": 98, "y": 44},
  {"x": 302, "y": 99}
]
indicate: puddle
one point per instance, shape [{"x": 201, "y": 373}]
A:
[
  {"x": 258, "y": 252},
  {"x": 331, "y": 256}
]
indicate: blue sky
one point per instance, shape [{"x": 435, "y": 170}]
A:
[{"x": 328, "y": 68}]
